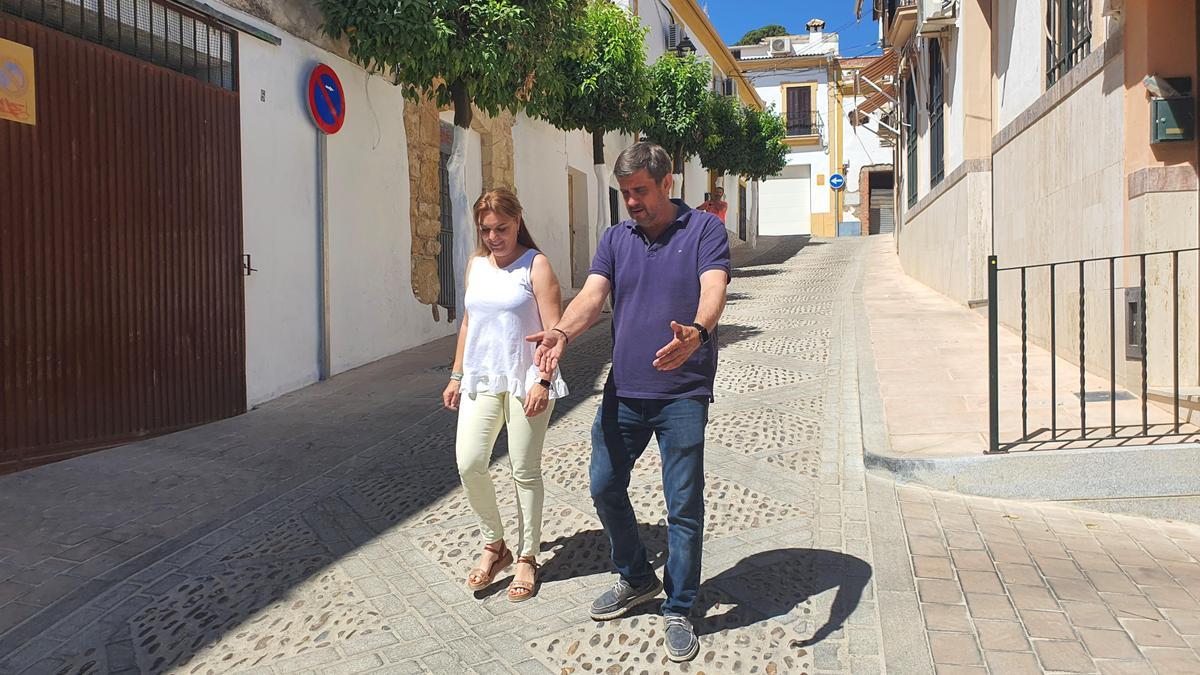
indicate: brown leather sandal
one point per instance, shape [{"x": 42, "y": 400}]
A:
[
  {"x": 520, "y": 591},
  {"x": 485, "y": 577}
]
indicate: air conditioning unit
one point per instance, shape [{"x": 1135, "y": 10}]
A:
[
  {"x": 674, "y": 35},
  {"x": 779, "y": 46},
  {"x": 934, "y": 16},
  {"x": 729, "y": 87}
]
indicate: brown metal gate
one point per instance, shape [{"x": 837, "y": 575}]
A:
[{"x": 121, "y": 306}]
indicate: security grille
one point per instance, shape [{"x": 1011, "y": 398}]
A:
[
  {"x": 1068, "y": 36},
  {"x": 937, "y": 131},
  {"x": 163, "y": 34}
]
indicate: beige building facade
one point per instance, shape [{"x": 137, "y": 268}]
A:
[{"x": 1027, "y": 130}]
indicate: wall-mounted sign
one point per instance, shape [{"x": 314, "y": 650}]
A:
[
  {"x": 18, "y": 95},
  {"x": 326, "y": 99}
]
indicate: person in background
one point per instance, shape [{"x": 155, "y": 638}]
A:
[{"x": 716, "y": 204}]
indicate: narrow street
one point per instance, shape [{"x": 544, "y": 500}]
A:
[{"x": 327, "y": 532}]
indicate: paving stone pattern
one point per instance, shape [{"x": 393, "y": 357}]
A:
[
  {"x": 361, "y": 569},
  {"x": 327, "y": 533},
  {"x": 1009, "y": 587}
]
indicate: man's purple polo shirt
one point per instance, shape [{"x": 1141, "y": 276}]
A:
[{"x": 653, "y": 284}]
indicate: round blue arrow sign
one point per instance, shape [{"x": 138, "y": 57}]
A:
[{"x": 837, "y": 181}]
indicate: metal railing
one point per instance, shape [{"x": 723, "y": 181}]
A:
[
  {"x": 1137, "y": 347},
  {"x": 447, "y": 288},
  {"x": 804, "y": 123},
  {"x": 894, "y": 6},
  {"x": 1068, "y": 36},
  {"x": 162, "y": 33}
]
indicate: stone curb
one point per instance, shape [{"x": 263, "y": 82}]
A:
[{"x": 1157, "y": 475}]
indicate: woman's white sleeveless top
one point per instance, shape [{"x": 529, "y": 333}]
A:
[{"x": 501, "y": 311}]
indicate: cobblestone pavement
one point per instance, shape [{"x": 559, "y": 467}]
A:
[{"x": 353, "y": 556}]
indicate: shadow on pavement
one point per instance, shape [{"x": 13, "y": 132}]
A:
[
  {"x": 782, "y": 251},
  {"x": 773, "y": 583},
  {"x": 401, "y": 480},
  {"x": 587, "y": 553}
]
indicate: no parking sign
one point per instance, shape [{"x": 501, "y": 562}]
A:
[{"x": 326, "y": 99}]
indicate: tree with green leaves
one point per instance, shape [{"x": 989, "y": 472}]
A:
[
  {"x": 608, "y": 86},
  {"x": 755, "y": 36},
  {"x": 494, "y": 55},
  {"x": 608, "y": 89},
  {"x": 679, "y": 93},
  {"x": 766, "y": 152},
  {"x": 724, "y": 148}
]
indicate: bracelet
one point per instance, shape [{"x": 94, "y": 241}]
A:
[
  {"x": 456, "y": 376},
  {"x": 566, "y": 338}
]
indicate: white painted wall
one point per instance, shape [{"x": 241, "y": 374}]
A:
[
  {"x": 1020, "y": 58},
  {"x": 816, "y": 157},
  {"x": 860, "y": 148},
  {"x": 953, "y": 56},
  {"x": 374, "y": 313},
  {"x": 540, "y": 161}
]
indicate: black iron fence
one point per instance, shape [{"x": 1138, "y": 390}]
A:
[
  {"x": 163, "y": 33},
  {"x": 1068, "y": 36},
  {"x": 803, "y": 123},
  {"x": 1071, "y": 277}
]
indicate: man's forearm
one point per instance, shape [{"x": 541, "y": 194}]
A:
[
  {"x": 712, "y": 304},
  {"x": 581, "y": 314}
]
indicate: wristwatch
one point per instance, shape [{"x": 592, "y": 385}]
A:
[
  {"x": 545, "y": 383},
  {"x": 703, "y": 333}
]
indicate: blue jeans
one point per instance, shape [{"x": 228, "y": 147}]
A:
[{"x": 619, "y": 436}]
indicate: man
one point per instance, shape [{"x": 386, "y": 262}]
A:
[
  {"x": 717, "y": 204},
  {"x": 667, "y": 270}
]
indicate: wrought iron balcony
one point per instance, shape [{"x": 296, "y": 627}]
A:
[
  {"x": 803, "y": 123},
  {"x": 900, "y": 20}
]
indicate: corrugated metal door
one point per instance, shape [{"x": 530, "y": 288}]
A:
[
  {"x": 883, "y": 220},
  {"x": 121, "y": 306}
]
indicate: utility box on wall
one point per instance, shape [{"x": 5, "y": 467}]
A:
[{"x": 1172, "y": 119}]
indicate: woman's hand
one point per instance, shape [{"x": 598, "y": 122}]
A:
[
  {"x": 537, "y": 400},
  {"x": 451, "y": 396}
]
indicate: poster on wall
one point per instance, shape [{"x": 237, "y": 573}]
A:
[{"x": 18, "y": 96}]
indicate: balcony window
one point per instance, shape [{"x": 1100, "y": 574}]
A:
[
  {"x": 799, "y": 116},
  {"x": 1068, "y": 36},
  {"x": 937, "y": 133},
  {"x": 910, "y": 140}
]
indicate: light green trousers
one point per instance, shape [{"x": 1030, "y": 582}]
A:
[{"x": 480, "y": 417}]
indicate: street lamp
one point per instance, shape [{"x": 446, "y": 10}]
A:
[{"x": 685, "y": 46}]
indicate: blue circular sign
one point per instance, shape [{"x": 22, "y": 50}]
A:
[
  {"x": 326, "y": 99},
  {"x": 837, "y": 181}
]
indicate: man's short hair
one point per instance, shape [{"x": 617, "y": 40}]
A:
[{"x": 643, "y": 155}]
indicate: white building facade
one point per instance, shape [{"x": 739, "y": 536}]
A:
[{"x": 804, "y": 79}]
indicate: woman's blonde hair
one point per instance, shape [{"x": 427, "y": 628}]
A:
[{"x": 502, "y": 202}]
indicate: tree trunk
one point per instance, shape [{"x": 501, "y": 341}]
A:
[
  {"x": 677, "y": 162},
  {"x": 601, "y": 170},
  {"x": 752, "y": 226},
  {"x": 462, "y": 105},
  {"x": 460, "y": 209},
  {"x": 598, "y": 146}
]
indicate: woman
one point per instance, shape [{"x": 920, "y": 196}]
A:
[{"x": 511, "y": 292}]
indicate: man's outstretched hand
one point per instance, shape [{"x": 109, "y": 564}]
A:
[
  {"x": 679, "y": 349},
  {"x": 550, "y": 349}
]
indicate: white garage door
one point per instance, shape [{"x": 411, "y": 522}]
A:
[{"x": 784, "y": 203}]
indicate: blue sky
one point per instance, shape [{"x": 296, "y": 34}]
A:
[{"x": 733, "y": 18}]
